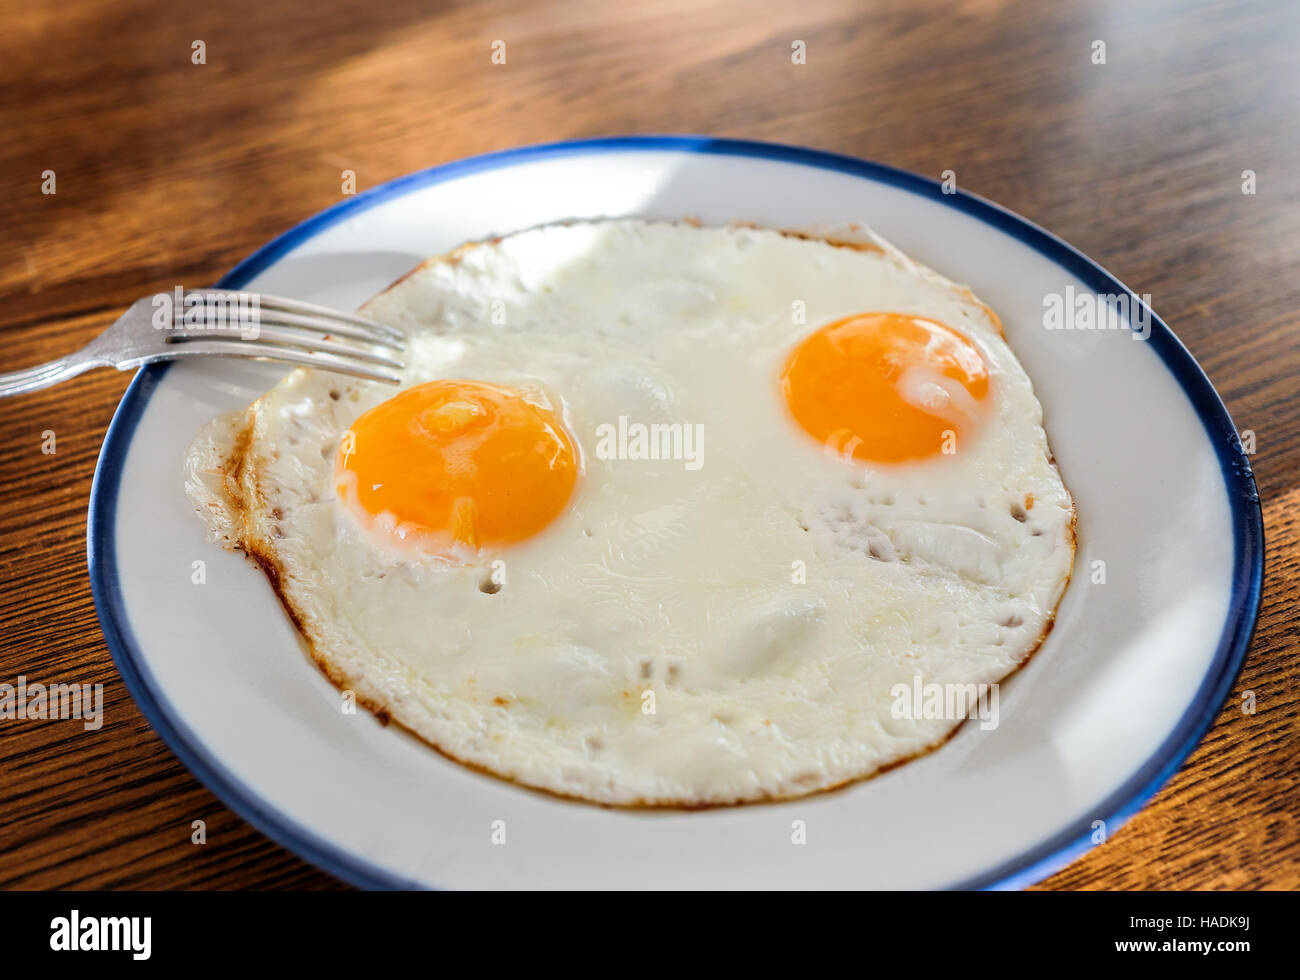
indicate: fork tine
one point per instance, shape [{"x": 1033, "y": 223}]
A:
[
  {"x": 327, "y": 326},
  {"x": 285, "y": 305},
  {"x": 290, "y": 338},
  {"x": 270, "y": 352}
]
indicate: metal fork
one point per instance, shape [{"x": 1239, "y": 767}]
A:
[{"x": 229, "y": 323}]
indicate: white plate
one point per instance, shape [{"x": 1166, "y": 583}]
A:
[{"x": 1125, "y": 685}]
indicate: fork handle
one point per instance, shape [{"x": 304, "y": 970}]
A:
[{"x": 29, "y": 379}]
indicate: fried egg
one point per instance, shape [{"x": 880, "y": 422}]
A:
[{"x": 661, "y": 514}]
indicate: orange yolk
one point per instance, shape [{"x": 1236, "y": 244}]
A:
[
  {"x": 886, "y": 387},
  {"x": 453, "y": 465}
]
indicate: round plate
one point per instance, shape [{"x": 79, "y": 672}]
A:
[{"x": 1148, "y": 638}]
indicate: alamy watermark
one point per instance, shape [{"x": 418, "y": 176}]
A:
[
  {"x": 656, "y": 440},
  {"x": 53, "y": 702},
  {"x": 124, "y": 933},
  {"x": 211, "y": 309},
  {"x": 1098, "y": 311},
  {"x": 953, "y": 702}
]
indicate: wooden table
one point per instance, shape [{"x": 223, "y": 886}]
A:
[{"x": 169, "y": 172}]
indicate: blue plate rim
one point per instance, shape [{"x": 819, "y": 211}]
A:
[{"x": 1031, "y": 866}]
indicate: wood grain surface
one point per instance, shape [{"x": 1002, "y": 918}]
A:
[{"x": 170, "y": 172}]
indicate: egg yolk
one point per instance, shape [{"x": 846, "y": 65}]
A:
[
  {"x": 886, "y": 387},
  {"x": 457, "y": 465}
]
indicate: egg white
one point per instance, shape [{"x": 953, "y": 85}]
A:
[{"x": 720, "y": 634}]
